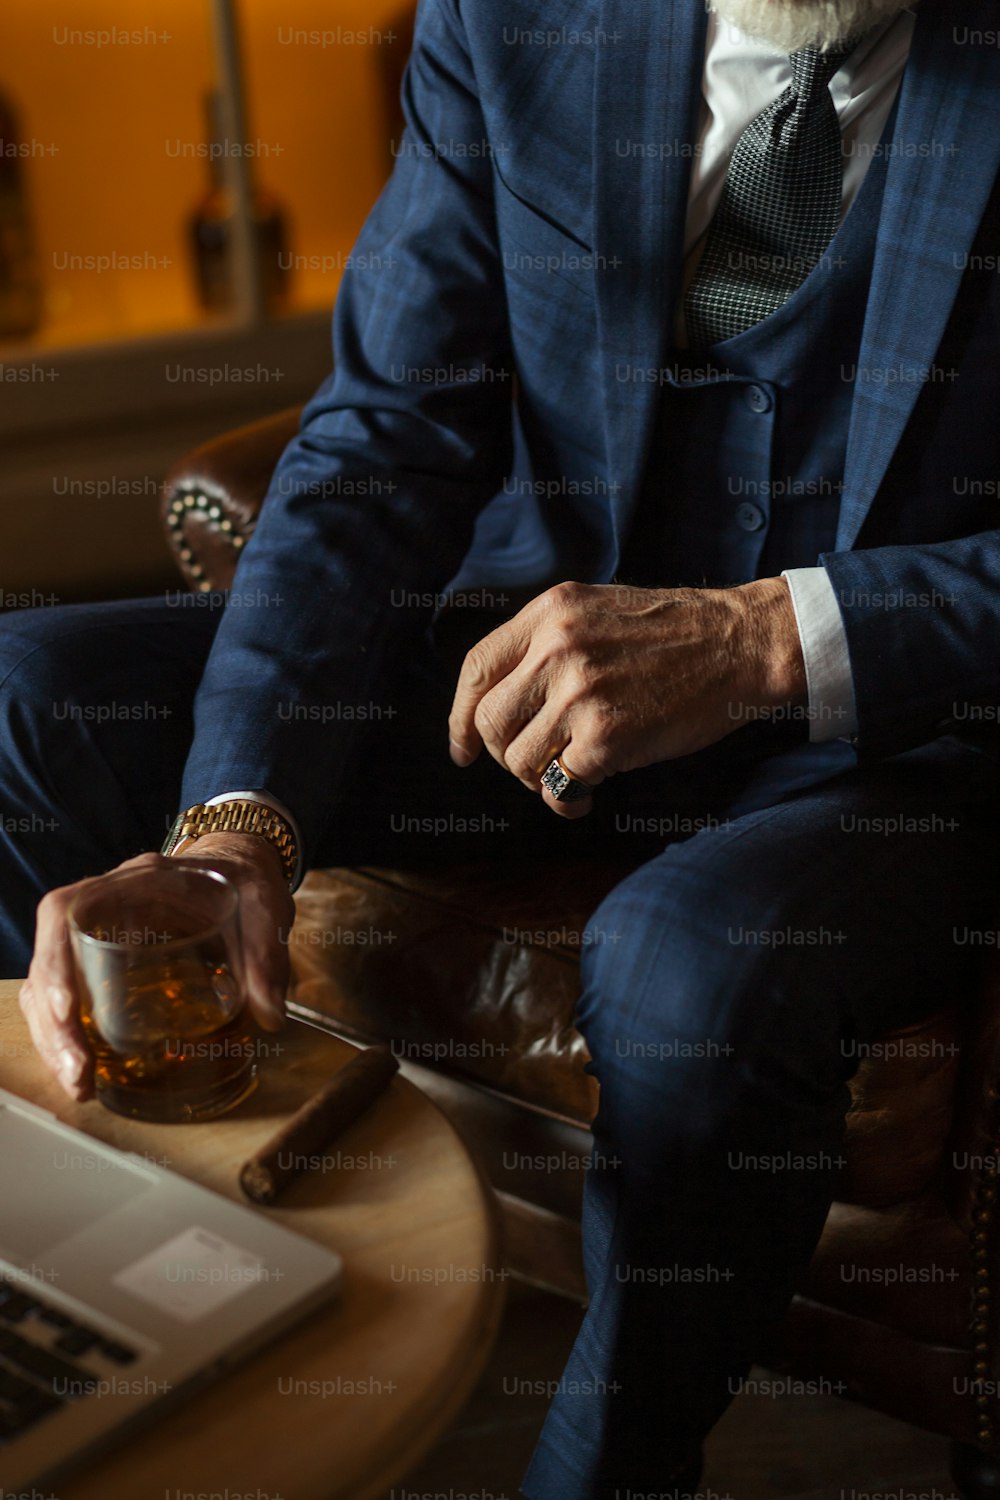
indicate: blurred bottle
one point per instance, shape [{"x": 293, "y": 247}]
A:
[
  {"x": 20, "y": 277},
  {"x": 212, "y": 230}
]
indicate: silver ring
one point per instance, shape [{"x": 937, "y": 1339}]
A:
[{"x": 563, "y": 786}]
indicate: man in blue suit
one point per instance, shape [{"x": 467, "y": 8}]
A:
[{"x": 699, "y": 311}]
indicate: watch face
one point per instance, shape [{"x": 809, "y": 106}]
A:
[{"x": 172, "y": 838}]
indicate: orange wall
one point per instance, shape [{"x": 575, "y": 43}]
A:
[{"x": 110, "y": 187}]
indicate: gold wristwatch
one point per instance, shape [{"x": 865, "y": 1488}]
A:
[{"x": 236, "y": 815}]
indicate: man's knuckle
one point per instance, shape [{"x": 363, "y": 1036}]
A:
[
  {"x": 600, "y": 748},
  {"x": 563, "y": 638},
  {"x": 603, "y": 724},
  {"x": 486, "y": 722},
  {"x": 476, "y": 667},
  {"x": 565, "y": 595},
  {"x": 520, "y": 764},
  {"x": 576, "y": 687}
]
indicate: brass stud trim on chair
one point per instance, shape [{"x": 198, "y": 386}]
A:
[
  {"x": 181, "y": 506},
  {"x": 982, "y": 1217}
]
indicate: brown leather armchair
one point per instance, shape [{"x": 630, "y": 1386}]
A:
[{"x": 490, "y": 1022}]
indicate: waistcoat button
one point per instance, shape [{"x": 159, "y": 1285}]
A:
[
  {"x": 750, "y": 517},
  {"x": 758, "y": 399}
]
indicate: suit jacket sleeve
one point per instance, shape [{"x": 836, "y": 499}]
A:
[
  {"x": 399, "y": 450},
  {"x": 923, "y": 632}
]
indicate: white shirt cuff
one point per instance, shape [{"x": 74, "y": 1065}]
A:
[
  {"x": 279, "y": 807},
  {"x": 832, "y": 710}
]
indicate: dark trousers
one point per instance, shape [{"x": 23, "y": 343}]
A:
[{"x": 785, "y": 908}]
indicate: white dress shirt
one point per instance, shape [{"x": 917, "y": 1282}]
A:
[{"x": 742, "y": 77}]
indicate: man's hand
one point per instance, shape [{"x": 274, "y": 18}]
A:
[
  {"x": 613, "y": 678},
  {"x": 49, "y": 996}
]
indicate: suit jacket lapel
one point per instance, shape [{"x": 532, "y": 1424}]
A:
[
  {"x": 945, "y": 158},
  {"x": 646, "y": 110}
]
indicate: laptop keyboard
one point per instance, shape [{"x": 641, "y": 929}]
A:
[{"x": 47, "y": 1359}]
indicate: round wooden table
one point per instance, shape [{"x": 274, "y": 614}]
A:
[{"x": 342, "y": 1407}]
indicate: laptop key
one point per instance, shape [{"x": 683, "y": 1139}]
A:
[
  {"x": 77, "y": 1340},
  {"x": 10, "y": 1428},
  {"x": 55, "y": 1319},
  {"x": 32, "y": 1408},
  {"x": 73, "y": 1381},
  {"x": 15, "y": 1306},
  {"x": 14, "y": 1388},
  {"x": 19, "y": 1418},
  {"x": 120, "y": 1354}
]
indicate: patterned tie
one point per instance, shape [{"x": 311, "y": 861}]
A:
[{"x": 780, "y": 207}]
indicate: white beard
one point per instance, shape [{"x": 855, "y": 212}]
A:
[{"x": 791, "y": 25}]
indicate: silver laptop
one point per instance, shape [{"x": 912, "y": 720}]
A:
[{"x": 122, "y": 1287}]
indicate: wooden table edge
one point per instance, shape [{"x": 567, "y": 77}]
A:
[{"x": 427, "y": 1429}]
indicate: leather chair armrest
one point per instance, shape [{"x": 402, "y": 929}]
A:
[{"x": 212, "y": 497}]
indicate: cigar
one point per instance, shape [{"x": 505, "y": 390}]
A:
[{"x": 317, "y": 1123}]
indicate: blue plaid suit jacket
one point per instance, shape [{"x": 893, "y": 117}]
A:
[{"x": 532, "y": 228}]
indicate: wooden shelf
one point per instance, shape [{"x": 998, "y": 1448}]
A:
[
  {"x": 86, "y": 446},
  {"x": 127, "y": 372}
]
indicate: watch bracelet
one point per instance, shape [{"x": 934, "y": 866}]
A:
[{"x": 237, "y": 816}]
